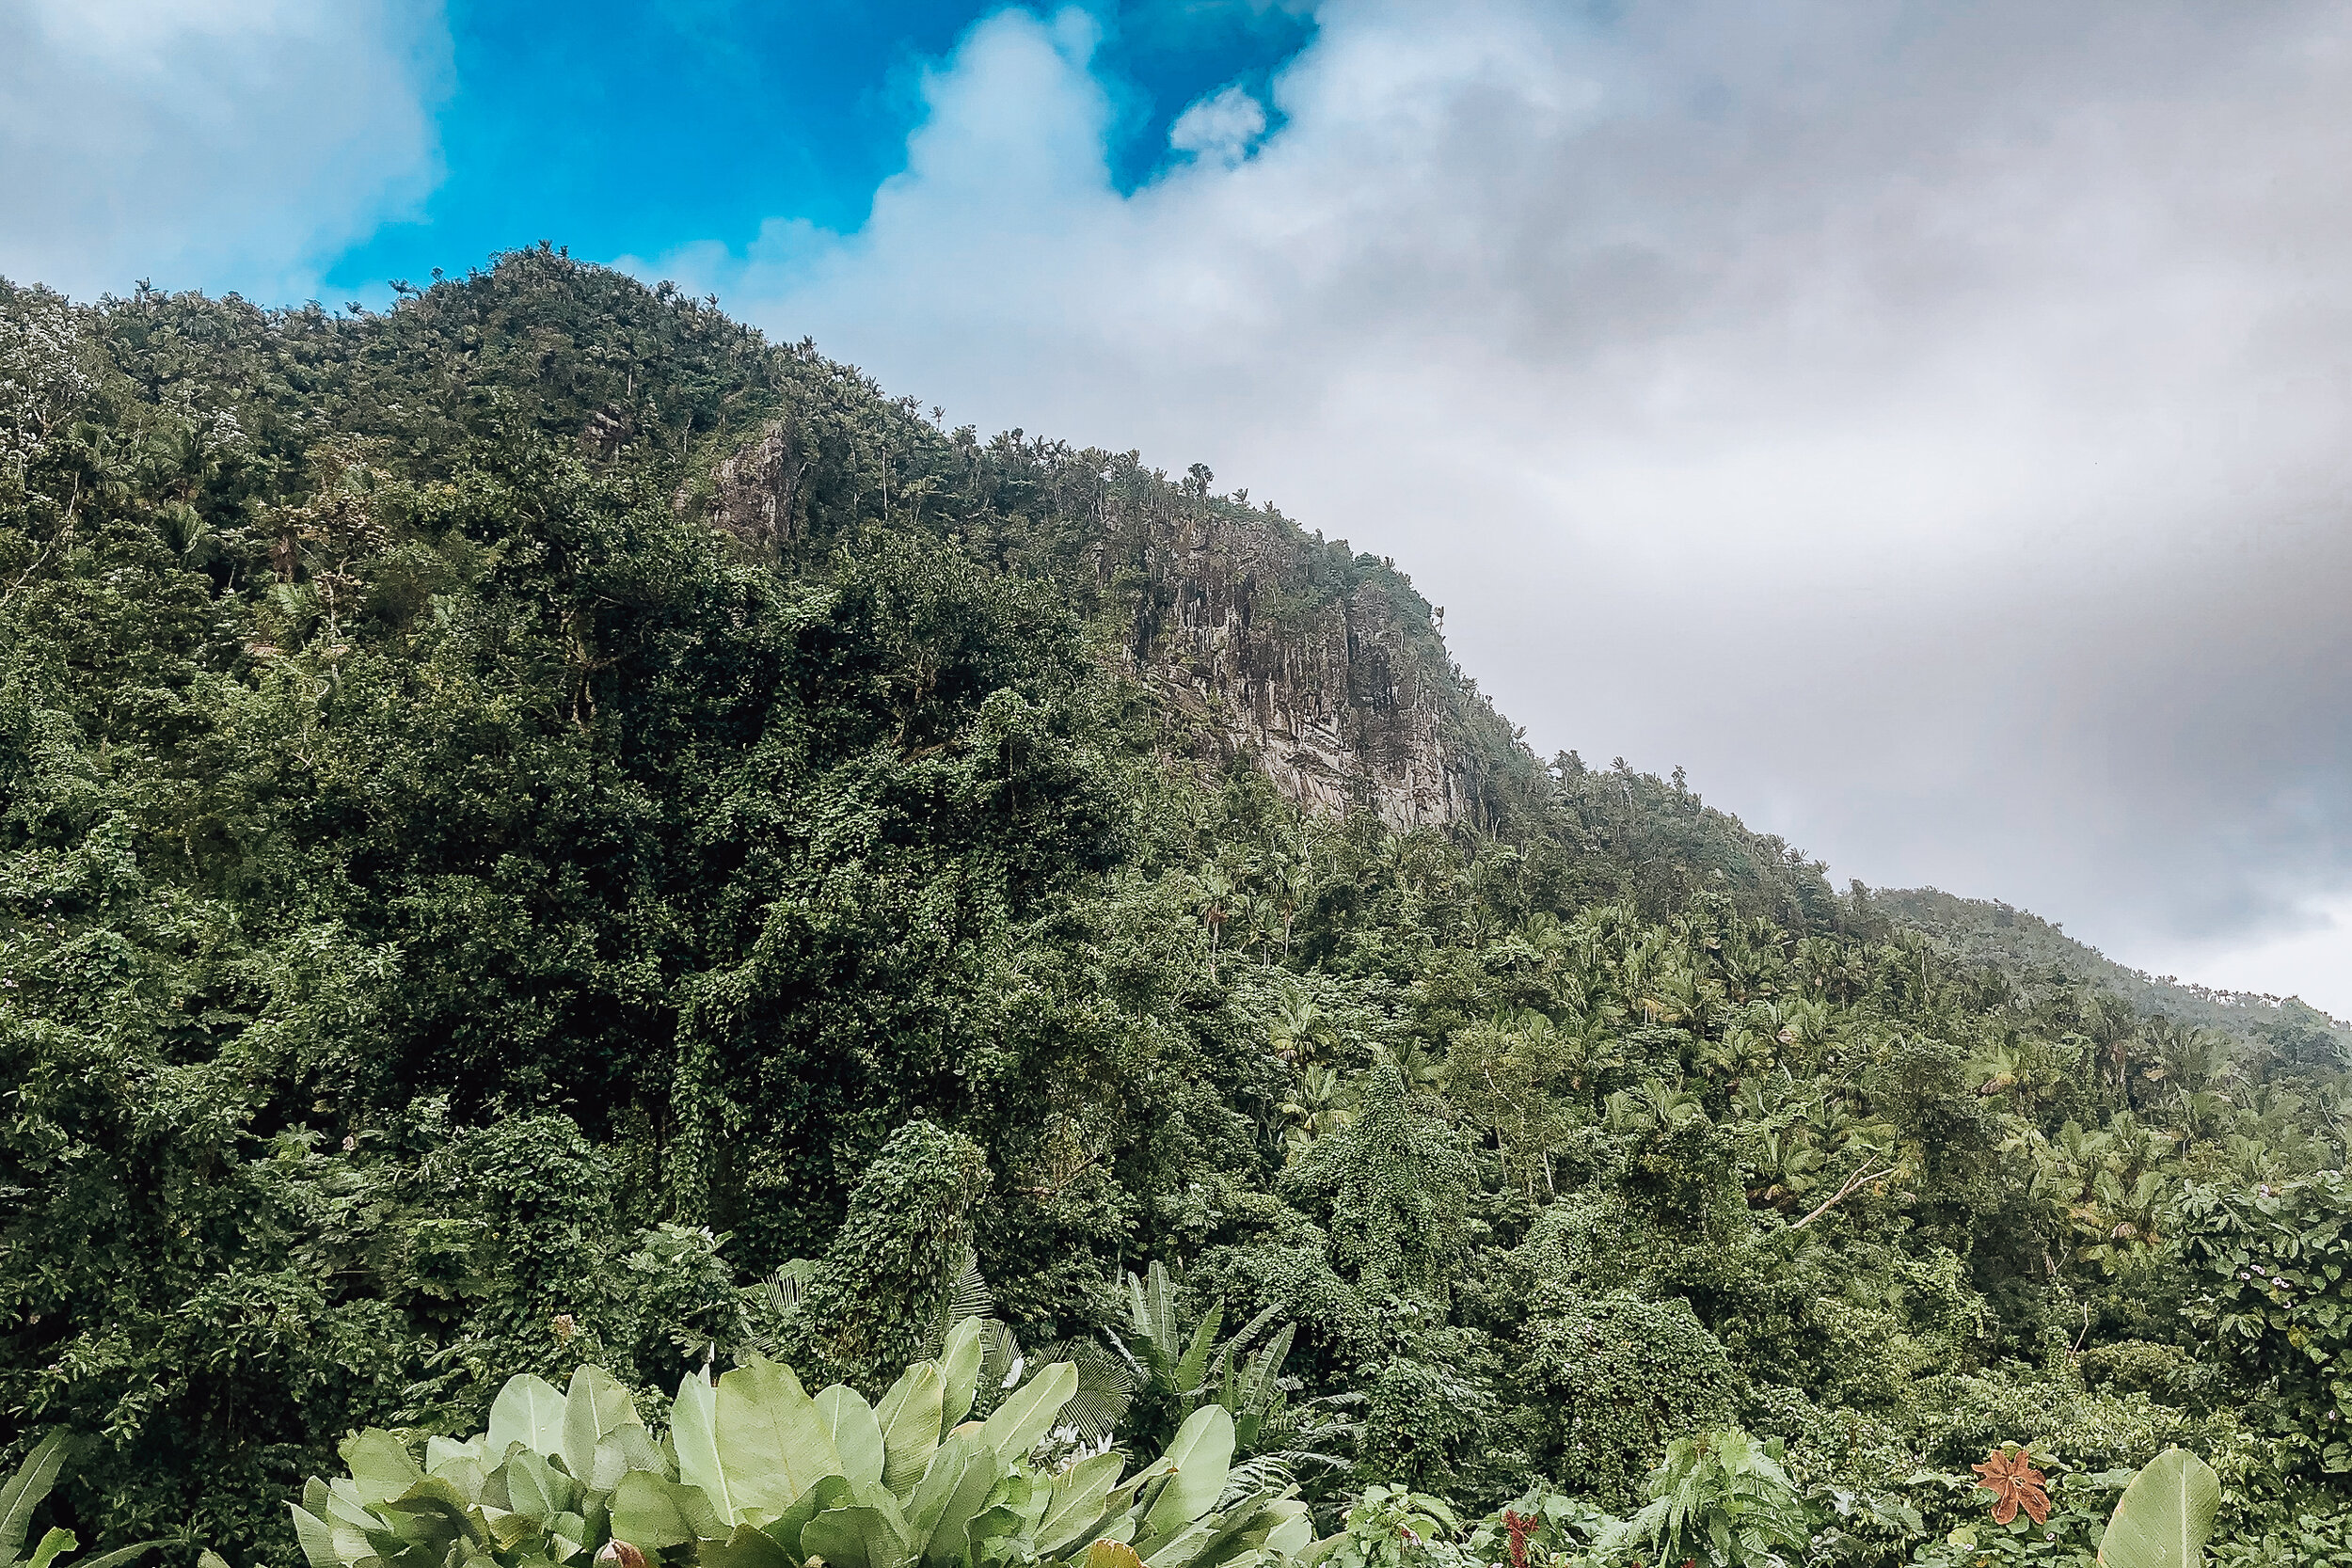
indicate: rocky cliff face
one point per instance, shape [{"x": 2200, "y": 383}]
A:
[
  {"x": 1324, "y": 669},
  {"x": 1261, "y": 641}
]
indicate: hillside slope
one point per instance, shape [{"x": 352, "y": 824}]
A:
[
  {"x": 541, "y": 827},
  {"x": 1987, "y": 932}
]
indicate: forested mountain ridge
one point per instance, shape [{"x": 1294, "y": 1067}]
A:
[
  {"x": 524, "y": 814},
  {"x": 1987, "y": 931}
]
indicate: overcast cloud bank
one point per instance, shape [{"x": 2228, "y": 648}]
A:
[{"x": 1923, "y": 422}]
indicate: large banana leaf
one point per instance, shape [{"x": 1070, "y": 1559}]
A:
[
  {"x": 951, "y": 1493},
  {"x": 1078, "y": 1503},
  {"x": 908, "y": 1416},
  {"x": 861, "y": 1537},
  {"x": 831, "y": 1492},
  {"x": 960, "y": 1373},
  {"x": 528, "y": 1483},
  {"x": 694, "y": 1434},
  {"x": 772, "y": 1444},
  {"x": 595, "y": 1408},
  {"x": 1027, "y": 1413},
  {"x": 530, "y": 1411},
  {"x": 2165, "y": 1514},
  {"x": 744, "y": 1547},
  {"x": 651, "y": 1513},
  {"x": 317, "y": 1540},
  {"x": 24, "y": 1491},
  {"x": 857, "y": 1437},
  {"x": 1201, "y": 1455},
  {"x": 380, "y": 1464}
]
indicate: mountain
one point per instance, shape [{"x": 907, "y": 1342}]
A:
[
  {"x": 1989, "y": 932},
  {"x": 541, "y": 828}
]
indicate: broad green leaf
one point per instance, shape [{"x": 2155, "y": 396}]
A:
[
  {"x": 857, "y": 1437},
  {"x": 957, "y": 1487},
  {"x": 437, "y": 1513},
  {"x": 54, "y": 1544},
  {"x": 459, "y": 1463},
  {"x": 628, "y": 1448},
  {"x": 772, "y": 1444},
  {"x": 530, "y": 1411},
  {"x": 1219, "y": 1537},
  {"x": 2165, "y": 1514},
  {"x": 1202, "y": 1454},
  {"x": 960, "y": 1373},
  {"x": 859, "y": 1537},
  {"x": 509, "y": 1530},
  {"x": 447, "y": 1450},
  {"x": 1188, "y": 1546},
  {"x": 121, "y": 1555},
  {"x": 1077, "y": 1502},
  {"x": 1293, "y": 1528},
  {"x": 829, "y": 1491},
  {"x": 650, "y": 1512},
  {"x": 25, "y": 1489},
  {"x": 595, "y": 1407},
  {"x": 694, "y": 1429},
  {"x": 130, "y": 1555},
  {"x": 909, "y": 1418},
  {"x": 744, "y": 1547},
  {"x": 316, "y": 1539},
  {"x": 379, "y": 1463},
  {"x": 532, "y": 1487},
  {"x": 1028, "y": 1412}
]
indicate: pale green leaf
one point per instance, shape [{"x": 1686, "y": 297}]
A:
[
  {"x": 909, "y": 1417},
  {"x": 595, "y": 1407},
  {"x": 962, "y": 1475},
  {"x": 2165, "y": 1514},
  {"x": 1027, "y": 1413},
  {"x": 380, "y": 1464},
  {"x": 1201, "y": 1453},
  {"x": 651, "y": 1513},
  {"x": 25, "y": 1489},
  {"x": 960, "y": 1373},
  {"x": 316, "y": 1539},
  {"x": 694, "y": 1430},
  {"x": 861, "y": 1537},
  {"x": 772, "y": 1444},
  {"x": 1078, "y": 1503},
  {"x": 132, "y": 1552},
  {"x": 744, "y": 1547},
  {"x": 857, "y": 1435},
  {"x": 530, "y": 1411}
]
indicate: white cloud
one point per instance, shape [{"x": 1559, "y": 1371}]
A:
[
  {"x": 234, "y": 143},
  {"x": 1921, "y": 421},
  {"x": 1221, "y": 127}
]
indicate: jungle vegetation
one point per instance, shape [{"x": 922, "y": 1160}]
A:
[{"x": 464, "y": 920}]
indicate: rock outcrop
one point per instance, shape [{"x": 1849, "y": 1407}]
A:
[
  {"x": 1326, "y": 672},
  {"x": 1261, "y": 641}
]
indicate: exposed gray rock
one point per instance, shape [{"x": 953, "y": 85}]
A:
[
  {"x": 1340, "y": 696},
  {"x": 1261, "y": 641}
]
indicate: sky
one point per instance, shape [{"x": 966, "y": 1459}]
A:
[{"x": 1926, "y": 424}]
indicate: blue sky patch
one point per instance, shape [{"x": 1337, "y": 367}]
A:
[{"x": 618, "y": 129}]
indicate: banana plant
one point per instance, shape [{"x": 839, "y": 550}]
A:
[
  {"x": 2165, "y": 1514},
  {"x": 23, "y": 1492},
  {"x": 756, "y": 1472}
]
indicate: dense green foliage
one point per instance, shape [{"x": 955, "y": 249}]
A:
[{"x": 463, "y": 917}]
